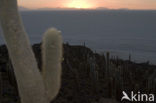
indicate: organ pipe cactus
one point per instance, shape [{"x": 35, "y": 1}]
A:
[{"x": 32, "y": 86}]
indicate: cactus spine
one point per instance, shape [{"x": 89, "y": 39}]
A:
[{"x": 32, "y": 86}]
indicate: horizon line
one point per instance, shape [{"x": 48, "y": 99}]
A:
[
  {"x": 97, "y": 8},
  {"x": 77, "y": 9}
]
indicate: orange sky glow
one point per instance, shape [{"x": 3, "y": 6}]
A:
[{"x": 89, "y": 4}]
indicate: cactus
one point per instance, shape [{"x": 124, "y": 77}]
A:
[
  {"x": 1, "y": 88},
  {"x": 52, "y": 56},
  {"x": 107, "y": 64},
  {"x": 32, "y": 86}
]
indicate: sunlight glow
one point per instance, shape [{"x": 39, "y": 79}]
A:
[
  {"x": 79, "y": 4},
  {"x": 89, "y": 4}
]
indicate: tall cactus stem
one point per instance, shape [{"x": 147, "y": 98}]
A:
[
  {"x": 52, "y": 57},
  {"x": 29, "y": 79}
]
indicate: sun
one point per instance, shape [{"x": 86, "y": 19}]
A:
[{"x": 79, "y": 4}]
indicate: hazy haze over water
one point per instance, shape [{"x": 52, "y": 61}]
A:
[{"x": 121, "y": 32}]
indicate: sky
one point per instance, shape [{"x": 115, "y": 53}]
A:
[{"x": 89, "y": 4}]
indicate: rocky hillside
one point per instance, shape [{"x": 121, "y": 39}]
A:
[{"x": 87, "y": 76}]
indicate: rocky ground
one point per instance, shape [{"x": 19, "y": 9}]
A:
[{"x": 87, "y": 77}]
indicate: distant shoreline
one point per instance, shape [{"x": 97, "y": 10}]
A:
[{"x": 82, "y": 9}]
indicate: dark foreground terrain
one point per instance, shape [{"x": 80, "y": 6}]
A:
[{"x": 87, "y": 77}]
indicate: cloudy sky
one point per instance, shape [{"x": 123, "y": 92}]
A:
[{"x": 113, "y": 4}]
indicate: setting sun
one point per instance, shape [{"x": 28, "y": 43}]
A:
[
  {"x": 89, "y": 4},
  {"x": 79, "y": 4}
]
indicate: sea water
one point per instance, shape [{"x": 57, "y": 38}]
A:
[{"x": 121, "y": 32}]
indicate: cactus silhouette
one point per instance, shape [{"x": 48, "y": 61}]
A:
[{"x": 33, "y": 87}]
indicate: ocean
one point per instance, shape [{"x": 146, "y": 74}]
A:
[{"x": 121, "y": 32}]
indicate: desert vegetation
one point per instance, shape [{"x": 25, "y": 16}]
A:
[
  {"x": 40, "y": 74},
  {"x": 33, "y": 86}
]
